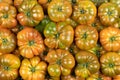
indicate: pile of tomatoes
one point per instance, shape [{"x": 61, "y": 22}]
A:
[{"x": 59, "y": 39}]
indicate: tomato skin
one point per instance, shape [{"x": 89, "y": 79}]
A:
[
  {"x": 58, "y": 35},
  {"x": 110, "y": 64},
  {"x": 60, "y": 62},
  {"x": 59, "y": 10},
  {"x": 117, "y": 2},
  {"x": 84, "y": 12},
  {"x": 7, "y": 41},
  {"x": 30, "y": 42},
  {"x": 86, "y": 37},
  {"x": 108, "y": 14},
  {"x": 97, "y": 24},
  {"x": 7, "y": 1},
  {"x": 110, "y": 39},
  {"x": 85, "y": 61},
  {"x": 33, "y": 69},
  {"x": 30, "y": 13},
  {"x": 8, "y": 14},
  {"x": 9, "y": 65},
  {"x": 117, "y": 77},
  {"x": 98, "y": 76},
  {"x": 71, "y": 77}
]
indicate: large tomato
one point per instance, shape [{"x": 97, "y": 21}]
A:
[
  {"x": 110, "y": 64},
  {"x": 9, "y": 65},
  {"x": 110, "y": 39},
  {"x": 30, "y": 42},
  {"x": 117, "y": 77},
  {"x": 33, "y": 69},
  {"x": 71, "y": 77},
  {"x": 108, "y": 13},
  {"x": 30, "y": 13},
  {"x": 87, "y": 64},
  {"x": 7, "y": 15},
  {"x": 7, "y": 1},
  {"x": 7, "y": 41},
  {"x": 60, "y": 62},
  {"x": 58, "y": 35},
  {"x": 98, "y": 76},
  {"x": 84, "y": 12},
  {"x": 59, "y": 10},
  {"x": 86, "y": 37}
]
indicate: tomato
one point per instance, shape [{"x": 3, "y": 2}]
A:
[
  {"x": 110, "y": 39},
  {"x": 71, "y": 22},
  {"x": 110, "y": 64},
  {"x": 9, "y": 65},
  {"x": 7, "y": 1},
  {"x": 7, "y": 15},
  {"x": 30, "y": 42},
  {"x": 7, "y": 41},
  {"x": 117, "y": 77},
  {"x": 40, "y": 27},
  {"x": 33, "y": 69},
  {"x": 71, "y": 77},
  {"x": 86, "y": 37},
  {"x": 117, "y": 24},
  {"x": 58, "y": 35},
  {"x": 87, "y": 64},
  {"x": 108, "y": 14},
  {"x": 84, "y": 12},
  {"x": 30, "y": 13},
  {"x": 17, "y": 3},
  {"x": 60, "y": 62},
  {"x": 97, "y": 24},
  {"x": 98, "y": 76},
  {"x": 59, "y": 10}
]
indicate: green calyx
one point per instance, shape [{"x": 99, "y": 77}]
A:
[
  {"x": 6, "y": 68},
  {"x": 58, "y": 62},
  {"x": 111, "y": 65},
  {"x": 5, "y": 16},
  {"x": 33, "y": 69},
  {"x": 4, "y": 41},
  {"x": 112, "y": 39},
  {"x": 85, "y": 35},
  {"x": 82, "y": 11},
  {"x": 31, "y": 43},
  {"x": 57, "y": 35}
]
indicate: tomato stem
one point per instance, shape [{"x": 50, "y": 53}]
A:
[
  {"x": 82, "y": 11},
  {"x": 111, "y": 65},
  {"x": 33, "y": 69},
  {"x": 85, "y": 35},
  {"x": 58, "y": 62},
  {"x": 6, "y": 68},
  {"x": 112, "y": 38},
  {"x": 5, "y": 16},
  {"x": 31, "y": 43},
  {"x": 4, "y": 41}
]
